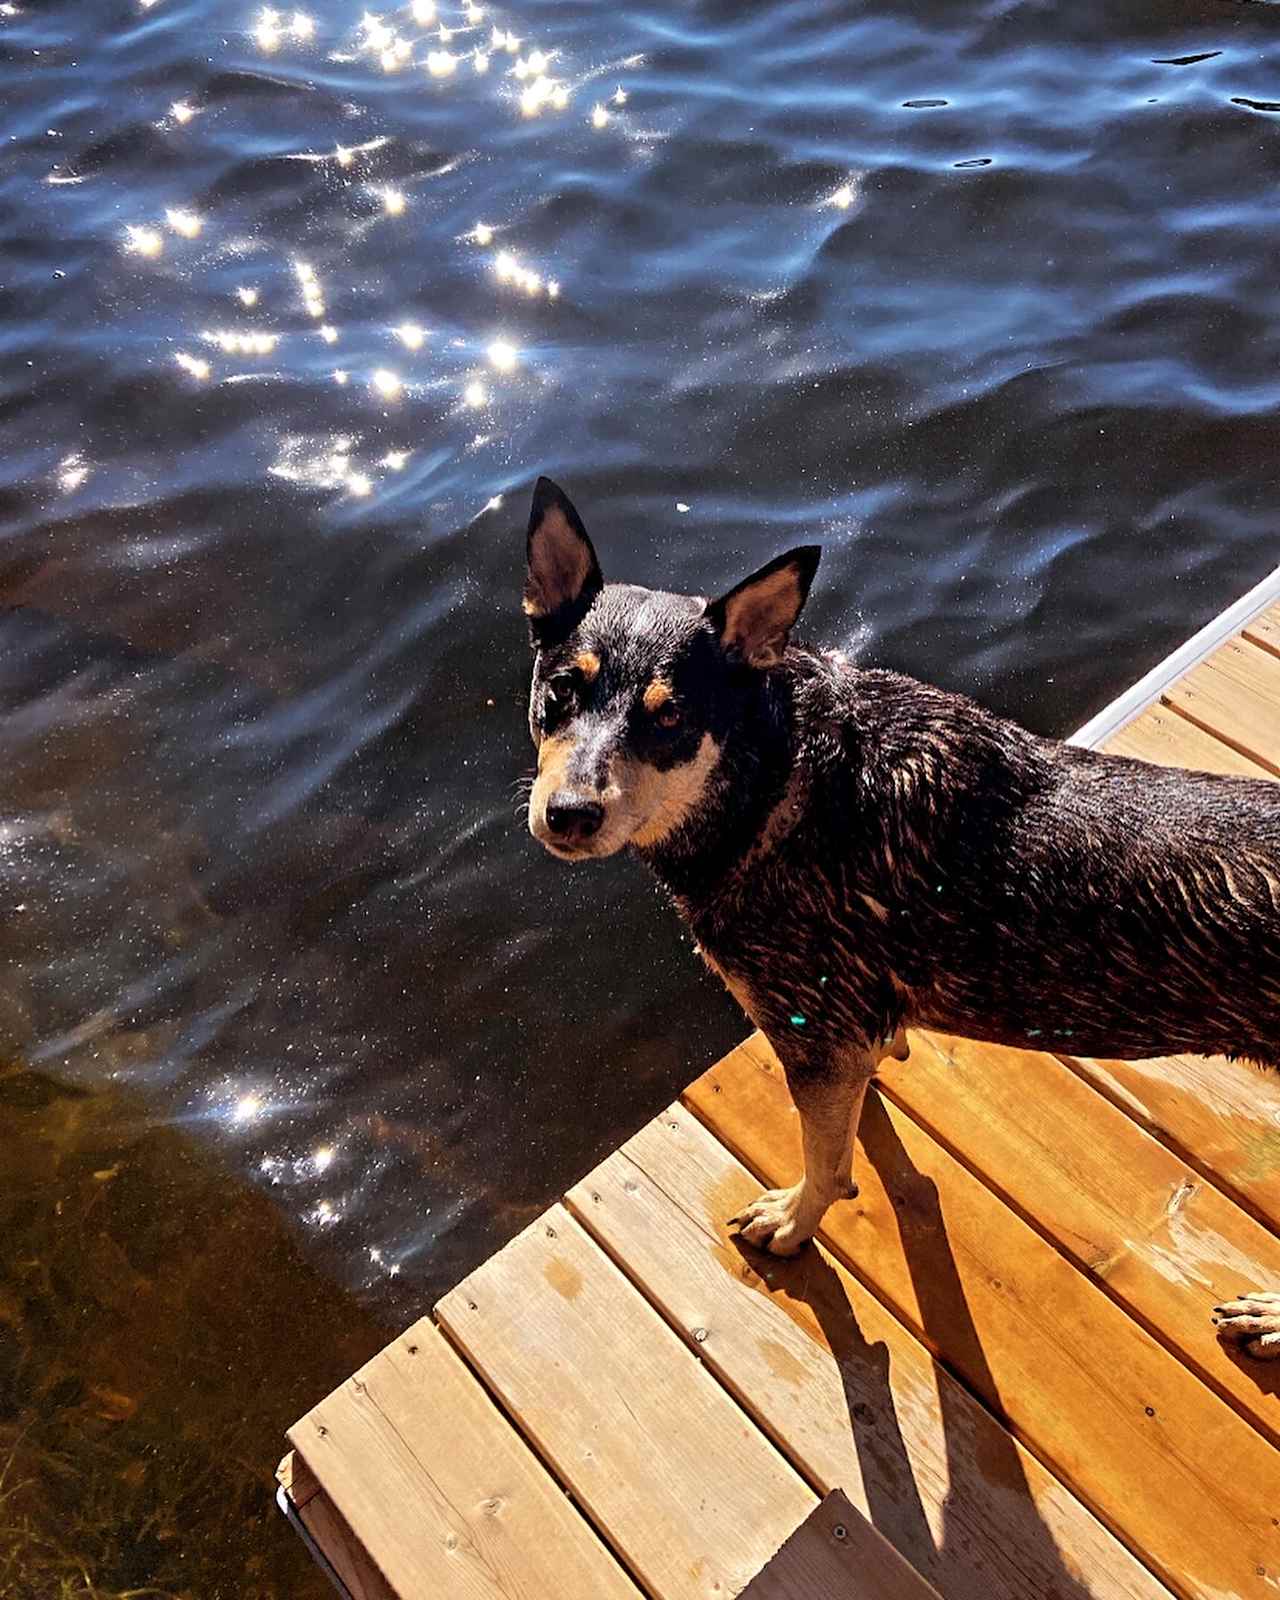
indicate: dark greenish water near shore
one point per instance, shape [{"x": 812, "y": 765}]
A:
[{"x": 296, "y": 1023}]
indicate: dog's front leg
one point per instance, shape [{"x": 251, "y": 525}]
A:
[{"x": 829, "y": 1097}]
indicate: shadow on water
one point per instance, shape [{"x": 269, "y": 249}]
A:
[{"x": 159, "y": 1329}]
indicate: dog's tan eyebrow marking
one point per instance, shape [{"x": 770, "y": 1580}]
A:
[
  {"x": 657, "y": 695},
  {"x": 588, "y": 664}
]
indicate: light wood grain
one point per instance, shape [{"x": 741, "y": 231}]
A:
[
  {"x": 1160, "y": 735},
  {"x": 447, "y": 1498},
  {"x": 1235, "y": 695},
  {"x": 835, "y": 1554},
  {"x": 341, "y": 1549},
  {"x": 1166, "y": 1244},
  {"x": 849, "y": 1394},
  {"x": 1265, "y": 630},
  {"x": 1222, "y": 1117},
  {"x": 1119, "y": 1419},
  {"x": 689, "y": 1491}
]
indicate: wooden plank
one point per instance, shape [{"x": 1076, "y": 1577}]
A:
[
  {"x": 1136, "y": 1435},
  {"x": 852, "y": 1397},
  {"x": 1264, "y": 630},
  {"x": 836, "y": 1554},
  {"x": 1221, "y": 1117},
  {"x": 1235, "y": 695},
  {"x": 297, "y": 1480},
  {"x": 341, "y": 1549},
  {"x": 445, "y": 1496},
  {"x": 1162, "y": 736},
  {"x": 686, "y": 1488},
  {"x": 1167, "y": 1245}
]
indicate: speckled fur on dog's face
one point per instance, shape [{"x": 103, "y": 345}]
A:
[
  {"x": 624, "y": 712},
  {"x": 634, "y": 690}
]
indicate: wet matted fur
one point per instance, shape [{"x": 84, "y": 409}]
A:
[{"x": 858, "y": 853}]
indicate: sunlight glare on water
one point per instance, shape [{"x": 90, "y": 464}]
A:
[{"x": 415, "y": 35}]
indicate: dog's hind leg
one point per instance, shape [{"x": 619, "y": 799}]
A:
[
  {"x": 782, "y": 1220},
  {"x": 1253, "y": 1322}
]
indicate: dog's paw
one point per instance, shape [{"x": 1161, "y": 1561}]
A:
[
  {"x": 1252, "y": 1322},
  {"x": 776, "y": 1221}
]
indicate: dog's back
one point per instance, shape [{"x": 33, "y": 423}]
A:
[{"x": 1028, "y": 892}]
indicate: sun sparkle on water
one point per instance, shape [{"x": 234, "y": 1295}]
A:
[{"x": 144, "y": 241}]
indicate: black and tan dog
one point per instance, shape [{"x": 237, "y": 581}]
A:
[{"x": 857, "y": 853}]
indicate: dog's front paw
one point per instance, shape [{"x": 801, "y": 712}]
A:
[
  {"x": 1253, "y": 1322},
  {"x": 777, "y": 1221}
]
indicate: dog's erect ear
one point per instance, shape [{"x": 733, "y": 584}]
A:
[
  {"x": 564, "y": 575},
  {"x": 755, "y": 619}
]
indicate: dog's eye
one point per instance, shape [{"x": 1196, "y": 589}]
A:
[
  {"x": 559, "y": 696},
  {"x": 669, "y": 716}
]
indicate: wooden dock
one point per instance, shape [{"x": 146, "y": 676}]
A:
[{"x": 1000, "y": 1352}]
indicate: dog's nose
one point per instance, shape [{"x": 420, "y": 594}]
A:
[{"x": 573, "y": 818}]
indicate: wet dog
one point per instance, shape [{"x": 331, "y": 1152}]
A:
[{"x": 857, "y": 853}]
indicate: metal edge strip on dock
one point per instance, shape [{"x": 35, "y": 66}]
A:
[{"x": 1178, "y": 663}]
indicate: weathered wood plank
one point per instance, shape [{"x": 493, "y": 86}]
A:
[
  {"x": 445, "y": 1495},
  {"x": 837, "y": 1555},
  {"x": 1119, "y": 1419},
  {"x": 850, "y": 1396},
  {"x": 1162, "y": 736},
  {"x": 1235, "y": 695},
  {"x": 1265, "y": 630},
  {"x": 1222, "y": 1117},
  {"x": 1167, "y": 1245},
  {"x": 686, "y": 1488},
  {"x": 341, "y": 1549}
]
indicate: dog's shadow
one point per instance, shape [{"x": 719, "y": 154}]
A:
[{"x": 986, "y": 1482}]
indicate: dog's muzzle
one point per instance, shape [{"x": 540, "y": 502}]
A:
[{"x": 572, "y": 819}]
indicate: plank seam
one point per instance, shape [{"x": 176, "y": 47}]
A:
[
  {"x": 1183, "y": 1357},
  {"x": 878, "y": 1294},
  {"x": 533, "y": 1447},
  {"x": 1163, "y": 705},
  {"x": 1169, "y": 1580},
  {"x": 542, "y": 1455},
  {"x": 1262, "y": 642},
  {"x": 1176, "y": 1147},
  {"x": 1255, "y": 756},
  {"x": 686, "y": 1337}
]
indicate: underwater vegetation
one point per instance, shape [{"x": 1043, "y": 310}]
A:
[{"x": 159, "y": 1330}]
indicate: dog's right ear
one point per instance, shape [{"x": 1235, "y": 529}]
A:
[{"x": 564, "y": 576}]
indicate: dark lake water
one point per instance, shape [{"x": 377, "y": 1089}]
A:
[{"x": 296, "y": 1022}]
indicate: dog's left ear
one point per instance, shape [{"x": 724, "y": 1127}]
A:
[
  {"x": 755, "y": 620},
  {"x": 564, "y": 576}
]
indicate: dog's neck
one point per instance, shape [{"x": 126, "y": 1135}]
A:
[{"x": 701, "y": 858}]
